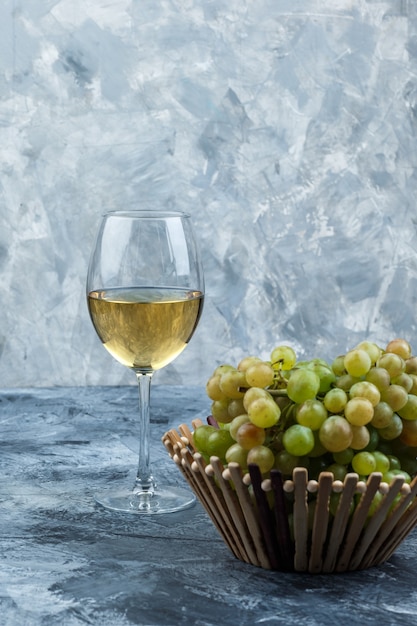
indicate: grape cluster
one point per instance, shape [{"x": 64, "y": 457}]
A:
[{"x": 356, "y": 414}]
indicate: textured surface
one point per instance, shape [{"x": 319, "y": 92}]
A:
[
  {"x": 287, "y": 129},
  {"x": 66, "y": 562}
]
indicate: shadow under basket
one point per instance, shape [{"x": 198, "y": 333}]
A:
[{"x": 268, "y": 522}]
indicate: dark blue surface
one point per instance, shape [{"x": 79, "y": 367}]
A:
[{"x": 66, "y": 561}]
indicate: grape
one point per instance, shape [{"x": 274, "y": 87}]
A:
[
  {"x": 374, "y": 438},
  {"x": 382, "y": 462},
  {"x": 409, "y": 433},
  {"x": 252, "y": 394},
  {"x": 413, "y": 389},
  {"x": 326, "y": 375},
  {"x": 394, "y": 428},
  {"x": 247, "y": 362},
  {"x": 339, "y": 471},
  {"x": 336, "y": 433},
  {"x": 411, "y": 365},
  {"x": 371, "y": 348},
  {"x": 360, "y": 437},
  {"x": 248, "y": 436},
  {"x": 335, "y": 400},
  {"x": 409, "y": 410},
  {"x": 201, "y": 435},
  {"x": 235, "y": 407},
  {"x": 403, "y": 380},
  {"x": 394, "y": 462},
  {"x": 365, "y": 389},
  {"x": 311, "y": 413},
  {"x": 237, "y": 454},
  {"x": 298, "y": 440},
  {"x": 357, "y": 362},
  {"x": 286, "y": 462},
  {"x": 400, "y": 347},
  {"x": 344, "y": 457},
  {"x": 219, "y": 410},
  {"x": 232, "y": 382},
  {"x": 213, "y": 389},
  {"x": 260, "y": 375},
  {"x": 263, "y": 457},
  {"x": 382, "y": 415},
  {"x": 264, "y": 412},
  {"x": 338, "y": 365},
  {"x": 345, "y": 381},
  {"x": 379, "y": 377},
  {"x": 302, "y": 385},
  {"x": 359, "y": 411},
  {"x": 318, "y": 450},
  {"x": 236, "y": 423},
  {"x": 283, "y": 358},
  {"x": 218, "y": 443},
  {"x": 364, "y": 463},
  {"x": 393, "y": 363},
  {"x": 396, "y": 396},
  {"x": 389, "y": 476}
]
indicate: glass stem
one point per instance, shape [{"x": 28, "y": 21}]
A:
[{"x": 144, "y": 481}]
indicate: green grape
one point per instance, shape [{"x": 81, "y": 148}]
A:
[
  {"x": 371, "y": 348},
  {"x": 364, "y": 463},
  {"x": 201, "y": 435},
  {"x": 357, "y": 362},
  {"x": 303, "y": 384},
  {"x": 393, "y": 430},
  {"x": 283, "y": 358},
  {"x": 263, "y": 457},
  {"x": 324, "y": 372},
  {"x": 260, "y": 374},
  {"x": 219, "y": 410},
  {"x": 374, "y": 438},
  {"x": 409, "y": 465},
  {"x": 232, "y": 382},
  {"x": 236, "y": 423},
  {"x": 360, "y": 437},
  {"x": 264, "y": 412},
  {"x": 221, "y": 369},
  {"x": 396, "y": 396},
  {"x": 336, "y": 433},
  {"x": 400, "y": 347},
  {"x": 389, "y": 476},
  {"x": 252, "y": 394},
  {"x": 235, "y": 407},
  {"x": 379, "y": 377},
  {"x": 318, "y": 449},
  {"x": 286, "y": 462},
  {"x": 393, "y": 363},
  {"x": 311, "y": 413},
  {"x": 413, "y": 389},
  {"x": 213, "y": 389},
  {"x": 345, "y": 381},
  {"x": 359, "y": 411},
  {"x": 394, "y": 462},
  {"x": 382, "y": 415},
  {"x": 382, "y": 462},
  {"x": 218, "y": 443},
  {"x": 338, "y": 365},
  {"x": 248, "y": 435},
  {"x": 365, "y": 389},
  {"x": 247, "y": 361},
  {"x": 237, "y": 454},
  {"x": 409, "y": 410},
  {"x": 339, "y": 471},
  {"x": 344, "y": 457},
  {"x": 298, "y": 440},
  {"x": 411, "y": 365},
  {"x": 335, "y": 400},
  {"x": 403, "y": 380}
]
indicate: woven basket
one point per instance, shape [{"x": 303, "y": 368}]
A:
[{"x": 252, "y": 512}]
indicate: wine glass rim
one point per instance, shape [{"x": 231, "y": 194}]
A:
[{"x": 145, "y": 213}]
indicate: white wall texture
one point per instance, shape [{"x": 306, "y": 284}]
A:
[{"x": 287, "y": 128}]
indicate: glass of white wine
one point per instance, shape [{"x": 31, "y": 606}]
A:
[{"x": 145, "y": 293}]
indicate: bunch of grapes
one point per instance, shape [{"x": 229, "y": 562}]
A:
[{"x": 356, "y": 414}]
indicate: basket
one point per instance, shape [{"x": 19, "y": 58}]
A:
[{"x": 252, "y": 512}]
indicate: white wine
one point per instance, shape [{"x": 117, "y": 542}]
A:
[{"x": 145, "y": 328}]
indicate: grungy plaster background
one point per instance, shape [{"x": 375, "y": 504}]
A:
[{"x": 287, "y": 128}]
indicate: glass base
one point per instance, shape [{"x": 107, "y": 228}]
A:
[{"x": 162, "y": 500}]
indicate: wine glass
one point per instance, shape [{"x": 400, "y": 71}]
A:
[{"x": 145, "y": 293}]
